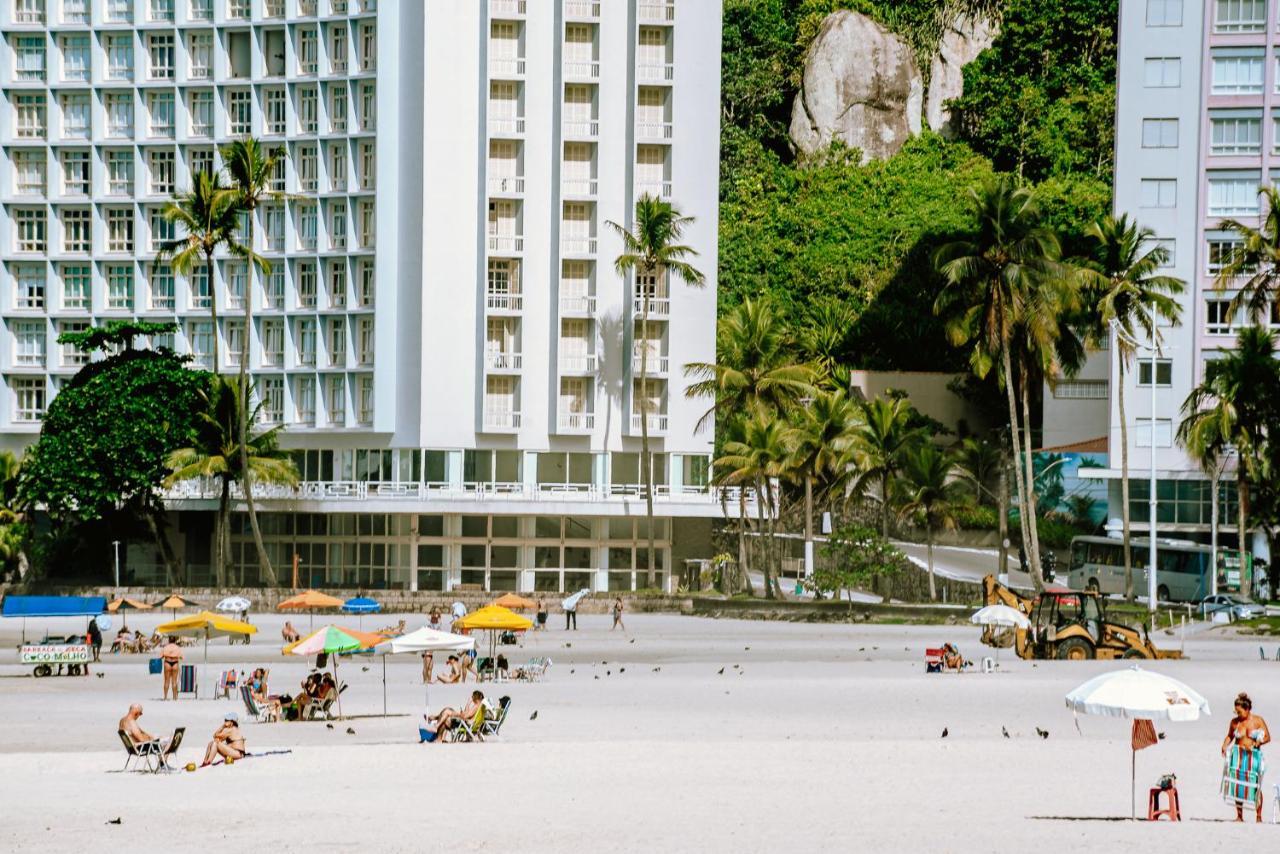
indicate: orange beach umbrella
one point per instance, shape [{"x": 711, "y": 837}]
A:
[{"x": 309, "y": 600}]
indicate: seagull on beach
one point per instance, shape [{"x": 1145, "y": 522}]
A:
[
  {"x": 1043, "y": 733},
  {"x": 1005, "y": 732},
  {"x": 721, "y": 671},
  {"x": 945, "y": 732},
  {"x": 350, "y": 731},
  {"x": 534, "y": 716}
]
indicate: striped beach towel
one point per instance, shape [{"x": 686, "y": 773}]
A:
[{"x": 1242, "y": 776}]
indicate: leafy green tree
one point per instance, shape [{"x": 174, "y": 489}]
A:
[
  {"x": 878, "y": 443},
  {"x": 1131, "y": 299},
  {"x": 1253, "y": 266},
  {"x": 105, "y": 437},
  {"x": 760, "y": 458},
  {"x": 651, "y": 250},
  {"x": 822, "y": 432},
  {"x": 251, "y": 167},
  {"x": 930, "y": 492},
  {"x": 857, "y": 557},
  {"x": 214, "y": 454},
  {"x": 1235, "y": 405}
]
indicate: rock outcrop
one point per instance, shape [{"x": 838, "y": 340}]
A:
[
  {"x": 961, "y": 42},
  {"x": 861, "y": 85}
]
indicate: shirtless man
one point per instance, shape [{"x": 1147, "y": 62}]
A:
[
  {"x": 129, "y": 723},
  {"x": 445, "y": 720},
  {"x": 228, "y": 741},
  {"x": 171, "y": 662}
]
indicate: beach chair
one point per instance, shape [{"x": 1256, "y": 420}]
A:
[
  {"x": 147, "y": 753},
  {"x": 226, "y": 684},
  {"x": 469, "y": 730},
  {"x": 535, "y": 669},
  {"x": 934, "y": 661},
  {"x": 170, "y": 748},
  {"x": 485, "y": 669},
  {"x": 262, "y": 714},
  {"x": 187, "y": 680},
  {"x": 491, "y": 726}
]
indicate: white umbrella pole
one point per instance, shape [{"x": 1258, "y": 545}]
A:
[
  {"x": 1133, "y": 784},
  {"x": 337, "y": 685},
  {"x": 384, "y": 685}
]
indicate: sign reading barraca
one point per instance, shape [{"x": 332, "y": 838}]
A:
[{"x": 48, "y": 653}]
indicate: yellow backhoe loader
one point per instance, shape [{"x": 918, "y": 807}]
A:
[{"x": 1066, "y": 624}]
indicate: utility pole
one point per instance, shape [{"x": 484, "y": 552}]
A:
[{"x": 116, "y": 544}]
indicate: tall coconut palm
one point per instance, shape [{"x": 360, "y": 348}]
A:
[
  {"x": 754, "y": 365},
  {"x": 878, "y": 442},
  {"x": 1234, "y": 405},
  {"x": 821, "y": 432},
  {"x": 733, "y": 431},
  {"x": 991, "y": 285},
  {"x": 651, "y": 253},
  {"x": 1253, "y": 265},
  {"x": 929, "y": 490},
  {"x": 761, "y": 458},
  {"x": 216, "y": 455},
  {"x": 250, "y": 168},
  {"x": 1130, "y": 298},
  {"x": 207, "y": 216}
]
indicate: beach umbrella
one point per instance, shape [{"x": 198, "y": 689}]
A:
[
  {"x": 1144, "y": 696},
  {"x": 176, "y": 602},
  {"x": 1000, "y": 616},
  {"x": 361, "y": 605},
  {"x": 493, "y": 619},
  {"x": 208, "y": 625},
  {"x": 425, "y": 639},
  {"x": 233, "y": 605},
  {"x": 514, "y": 602},
  {"x": 123, "y": 604},
  {"x": 333, "y": 640},
  {"x": 309, "y": 600}
]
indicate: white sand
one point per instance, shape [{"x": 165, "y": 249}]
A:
[{"x": 815, "y": 745}]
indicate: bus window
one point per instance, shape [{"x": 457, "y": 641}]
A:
[
  {"x": 1078, "y": 555},
  {"x": 1104, "y": 554},
  {"x": 1138, "y": 555}
]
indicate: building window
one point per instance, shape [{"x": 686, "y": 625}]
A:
[
  {"x": 120, "y": 173},
  {"x": 338, "y": 284},
  {"x": 1217, "y": 317},
  {"x": 75, "y": 116},
  {"x": 234, "y": 330},
  {"x": 308, "y": 172},
  {"x": 365, "y": 291},
  {"x": 119, "y": 288},
  {"x": 71, "y": 356},
  {"x": 28, "y": 396},
  {"x": 29, "y": 58},
  {"x": 201, "y": 48},
  {"x": 30, "y": 230},
  {"x": 31, "y": 116},
  {"x": 364, "y": 399},
  {"x": 240, "y": 111},
  {"x": 306, "y": 342},
  {"x": 308, "y": 111},
  {"x": 161, "y": 287},
  {"x": 280, "y": 171},
  {"x": 1235, "y": 132},
  {"x": 200, "y": 339},
  {"x": 1159, "y": 133},
  {"x": 1233, "y": 194},
  {"x": 307, "y": 53},
  {"x": 119, "y": 115},
  {"x": 305, "y": 398},
  {"x": 160, "y": 54},
  {"x": 1239, "y": 16},
  {"x": 337, "y": 225},
  {"x": 364, "y": 341},
  {"x": 1221, "y": 253},
  {"x": 338, "y": 166},
  {"x": 1159, "y": 192},
  {"x": 1164, "y": 372},
  {"x": 273, "y": 288},
  {"x": 202, "y": 10},
  {"x": 274, "y": 103},
  {"x": 75, "y": 173},
  {"x": 271, "y": 390},
  {"x": 198, "y": 282},
  {"x": 238, "y": 9},
  {"x": 162, "y": 229},
  {"x": 75, "y": 57},
  {"x": 160, "y": 173},
  {"x": 28, "y": 11},
  {"x": 273, "y": 225},
  {"x": 337, "y": 342},
  {"x": 237, "y": 280},
  {"x": 120, "y": 11},
  {"x": 75, "y": 11},
  {"x": 337, "y": 394},
  {"x": 160, "y": 108},
  {"x": 368, "y": 224},
  {"x": 338, "y": 49},
  {"x": 368, "y": 47},
  {"x": 77, "y": 284},
  {"x": 119, "y": 57},
  {"x": 272, "y": 343},
  {"x": 368, "y": 166},
  {"x": 160, "y": 10},
  {"x": 307, "y": 226},
  {"x": 202, "y": 113},
  {"x": 29, "y": 290},
  {"x": 368, "y": 107},
  {"x": 1237, "y": 70},
  {"x": 29, "y": 172},
  {"x": 201, "y": 161},
  {"x": 306, "y": 284},
  {"x": 77, "y": 231},
  {"x": 338, "y": 109},
  {"x": 28, "y": 343},
  {"x": 119, "y": 230},
  {"x": 1164, "y": 13}
]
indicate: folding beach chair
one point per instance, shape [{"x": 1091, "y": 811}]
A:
[
  {"x": 491, "y": 726},
  {"x": 147, "y": 753},
  {"x": 226, "y": 684},
  {"x": 469, "y": 730},
  {"x": 187, "y": 680},
  {"x": 170, "y": 748},
  {"x": 262, "y": 714}
]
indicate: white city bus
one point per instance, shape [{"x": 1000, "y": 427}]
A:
[{"x": 1182, "y": 567}]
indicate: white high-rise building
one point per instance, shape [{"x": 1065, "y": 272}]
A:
[
  {"x": 443, "y": 332},
  {"x": 1197, "y": 133}
]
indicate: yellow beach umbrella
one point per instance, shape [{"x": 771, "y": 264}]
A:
[
  {"x": 493, "y": 619},
  {"x": 309, "y": 600},
  {"x": 208, "y": 625},
  {"x": 514, "y": 601}
]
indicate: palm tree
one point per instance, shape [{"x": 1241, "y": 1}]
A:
[
  {"x": 821, "y": 432},
  {"x": 732, "y": 431},
  {"x": 992, "y": 281},
  {"x": 1131, "y": 298},
  {"x": 216, "y": 454},
  {"x": 1232, "y": 407},
  {"x": 761, "y": 457},
  {"x": 984, "y": 465},
  {"x": 651, "y": 252},
  {"x": 930, "y": 491},
  {"x": 251, "y": 169},
  {"x": 208, "y": 215},
  {"x": 878, "y": 443},
  {"x": 823, "y": 337},
  {"x": 1256, "y": 260}
]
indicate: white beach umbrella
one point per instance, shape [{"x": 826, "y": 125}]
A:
[
  {"x": 233, "y": 605},
  {"x": 425, "y": 639},
  {"x": 1138, "y": 694},
  {"x": 1000, "y": 615}
]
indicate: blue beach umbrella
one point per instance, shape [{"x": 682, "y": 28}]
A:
[{"x": 361, "y": 605}]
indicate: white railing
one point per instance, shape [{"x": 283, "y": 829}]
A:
[
  {"x": 656, "y": 72},
  {"x": 506, "y": 243},
  {"x": 502, "y": 421},
  {"x": 660, "y": 11},
  {"x": 656, "y": 189},
  {"x": 579, "y": 128},
  {"x": 578, "y": 187},
  {"x": 509, "y": 185},
  {"x": 654, "y": 364},
  {"x": 506, "y": 125},
  {"x": 654, "y": 130},
  {"x": 658, "y": 306},
  {"x": 506, "y": 66},
  {"x": 578, "y": 363},
  {"x": 657, "y": 422},
  {"x": 582, "y": 68},
  {"x": 578, "y": 305},
  {"x": 582, "y": 8},
  {"x": 506, "y": 7},
  {"x": 573, "y": 422},
  {"x": 496, "y": 360},
  {"x": 503, "y": 302},
  {"x": 578, "y": 245}
]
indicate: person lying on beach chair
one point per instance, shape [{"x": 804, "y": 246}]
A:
[
  {"x": 228, "y": 741},
  {"x": 289, "y": 633}
]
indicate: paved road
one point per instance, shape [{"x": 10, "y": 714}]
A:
[{"x": 962, "y": 563}]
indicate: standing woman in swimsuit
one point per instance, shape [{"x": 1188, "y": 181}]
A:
[
  {"x": 1242, "y": 775},
  {"x": 171, "y": 656}
]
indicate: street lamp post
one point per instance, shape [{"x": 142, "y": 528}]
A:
[
  {"x": 1152, "y": 553},
  {"x": 116, "y": 545}
]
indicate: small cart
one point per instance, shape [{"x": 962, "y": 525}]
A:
[{"x": 69, "y": 656}]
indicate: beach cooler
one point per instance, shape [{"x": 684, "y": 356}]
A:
[{"x": 154, "y": 667}]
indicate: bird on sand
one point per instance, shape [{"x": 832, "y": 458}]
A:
[
  {"x": 1043, "y": 733},
  {"x": 945, "y": 732},
  {"x": 721, "y": 671},
  {"x": 1005, "y": 732},
  {"x": 534, "y": 716}
]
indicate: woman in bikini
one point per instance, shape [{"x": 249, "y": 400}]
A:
[
  {"x": 1242, "y": 749},
  {"x": 228, "y": 742}
]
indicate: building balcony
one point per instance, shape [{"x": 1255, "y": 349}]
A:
[
  {"x": 656, "y": 11},
  {"x": 655, "y": 365},
  {"x": 506, "y": 243},
  {"x": 501, "y": 126},
  {"x": 576, "y": 306},
  {"x": 506, "y": 8},
  {"x": 578, "y": 363},
  {"x": 581, "y": 187},
  {"x": 575, "y": 128},
  {"x": 496, "y": 303},
  {"x": 501, "y": 422},
  {"x": 656, "y": 72},
  {"x": 654, "y": 131},
  {"x": 657, "y": 423},
  {"x": 576, "y": 422},
  {"x": 510, "y": 185},
  {"x": 574, "y": 245},
  {"x": 582, "y": 10},
  {"x": 581, "y": 69},
  {"x": 506, "y": 68},
  {"x": 501, "y": 362},
  {"x": 658, "y": 306},
  {"x": 656, "y": 189}
]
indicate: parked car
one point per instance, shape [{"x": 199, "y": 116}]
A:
[{"x": 1238, "y": 607}]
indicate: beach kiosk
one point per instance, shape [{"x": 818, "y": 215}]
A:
[{"x": 53, "y": 654}]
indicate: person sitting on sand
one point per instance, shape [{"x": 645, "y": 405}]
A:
[
  {"x": 449, "y": 718},
  {"x": 455, "y": 671},
  {"x": 228, "y": 741},
  {"x": 951, "y": 657},
  {"x": 129, "y": 723},
  {"x": 289, "y": 633}
]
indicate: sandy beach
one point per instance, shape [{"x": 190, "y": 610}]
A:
[{"x": 825, "y": 737}]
